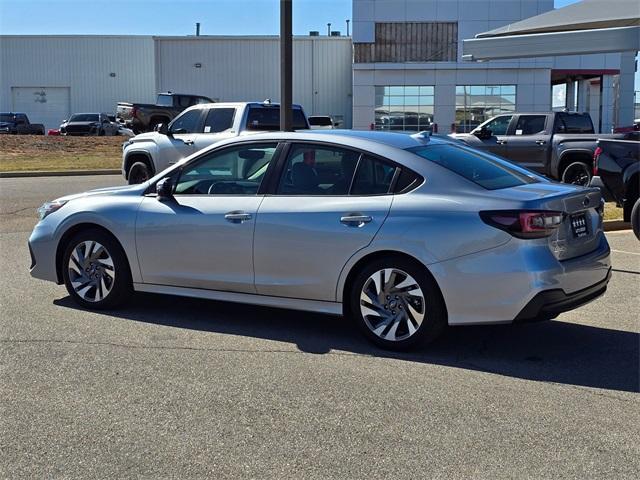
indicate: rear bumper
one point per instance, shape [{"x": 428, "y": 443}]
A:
[
  {"x": 596, "y": 181},
  {"x": 549, "y": 304}
]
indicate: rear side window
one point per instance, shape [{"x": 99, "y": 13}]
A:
[
  {"x": 373, "y": 177},
  {"x": 320, "y": 121},
  {"x": 574, "y": 124},
  {"x": 268, "y": 119},
  {"x": 530, "y": 124},
  {"x": 219, "y": 120},
  {"x": 479, "y": 168}
]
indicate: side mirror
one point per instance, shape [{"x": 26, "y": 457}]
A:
[
  {"x": 162, "y": 128},
  {"x": 483, "y": 133},
  {"x": 164, "y": 189}
]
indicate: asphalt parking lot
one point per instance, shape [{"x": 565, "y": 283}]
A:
[{"x": 172, "y": 387}]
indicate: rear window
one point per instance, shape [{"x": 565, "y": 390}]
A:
[
  {"x": 165, "y": 101},
  {"x": 320, "y": 121},
  {"x": 574, "y": 123},
  {"x": 268, "y": 118},
  {"x": 482, "y": 169}
]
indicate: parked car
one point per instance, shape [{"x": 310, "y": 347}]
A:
[
  {"x": 405, "y": 234},
  {"x": 616, "y": 170},
  {"x": 19, "y": 124},
  {"x": 559, "y": 145},
  {"x": 321, "y": 122},
  {"x": 196, "y": 128},
  {"x": 143, "y": 117},
  {"x": 97, "y": 124}
]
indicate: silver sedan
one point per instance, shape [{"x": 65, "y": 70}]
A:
[{"x": 405, "y": 234}]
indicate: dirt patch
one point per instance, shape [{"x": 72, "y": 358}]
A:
[{"x": 38, "y": 152}]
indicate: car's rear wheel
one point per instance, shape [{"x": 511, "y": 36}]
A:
[
  {"x": 397, "y": 304},
  {"x": 95, "y": 270},
  {"x": 577, "y": 173},
  {"x": 139, "y": 173},
  {"x": 635, "y": 219}
]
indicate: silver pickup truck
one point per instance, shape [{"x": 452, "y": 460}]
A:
[
  {"x": 559, "y": 145},
  {"x": 196, "y": 128}
]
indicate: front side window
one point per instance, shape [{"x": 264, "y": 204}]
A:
[
  {"x": 475, "y": 104},
  {"x": 219, "y": 120},
  {"x": 404, "y": 107},
  {"x": 186, "y": 123},
  {"x": 499, "y": 125},
  {"x": 318, "y": 170},
  {"x": 530, "y": 124},
  {"x": 236, "y": 170},
  {"x": 478, "y": 167}
]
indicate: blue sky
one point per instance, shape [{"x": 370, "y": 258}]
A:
[{"x": 170, "y": 17}]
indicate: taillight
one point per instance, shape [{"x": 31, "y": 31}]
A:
[
  {"x": 596, "y": 157},
  {"x": 134, "y": 112},
  {"x": 524, "y": 223}
]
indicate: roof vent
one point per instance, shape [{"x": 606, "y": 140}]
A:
[
  {"x": 314, "y": 33},
  {"x": 335, "y": 33}
]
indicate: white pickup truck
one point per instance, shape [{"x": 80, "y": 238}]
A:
[{"x": 196, "y": 128}]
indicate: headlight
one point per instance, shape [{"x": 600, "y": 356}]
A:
[{"x": 50, "y": 207}]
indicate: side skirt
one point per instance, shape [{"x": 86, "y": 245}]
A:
[{"x": 331, "y": 308}]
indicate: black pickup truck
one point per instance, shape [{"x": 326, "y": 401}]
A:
[
  {"x": 19, "y": 124},
  {"x": 143, "y": 117},
  {"x": 559, "y": 145},
  {"x": 616, "y": 171}
]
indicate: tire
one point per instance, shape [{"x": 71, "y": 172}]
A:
[
  {"x": 418, "y": 316},
  {"x": 577, "y": 173},
  {"x": 102, "y": 281},
  {"x": 138, "y": 173},
  {"x": 635, "y": 218}
]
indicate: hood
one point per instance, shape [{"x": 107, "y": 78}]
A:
[
  {"x": 145, "y": 136},
  {"x": 106, "y": 191}
]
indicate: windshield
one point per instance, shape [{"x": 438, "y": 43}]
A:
[
  {"x": 268, "y": 118},
  {"x": 84, "y": 117},
  {"x": 482, "y": 169}
]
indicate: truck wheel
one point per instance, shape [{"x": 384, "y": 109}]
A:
[
  {"x": 635, "y": 219},
  {"x": 139, "y": 173},
  {"x": 577, "y": 173}
]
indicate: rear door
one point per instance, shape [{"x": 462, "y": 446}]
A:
[
  {"x": 218, "y": 125},
  {"x": 527, "y": 143},
  {"x": 329, "y": 203}
]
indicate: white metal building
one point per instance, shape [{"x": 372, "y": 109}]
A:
[
  {"x": 408, "y": 68},
  {"x": 50, "y": 77}
]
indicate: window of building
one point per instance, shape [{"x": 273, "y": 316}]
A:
[
  {"x": 404, "y": 107},
  {"x": 477, "y": 103}
]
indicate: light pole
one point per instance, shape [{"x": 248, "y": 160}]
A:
[{"x": 286, "y": 67}]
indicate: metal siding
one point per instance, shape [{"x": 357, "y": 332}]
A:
[{"x": 81, "y": 63}]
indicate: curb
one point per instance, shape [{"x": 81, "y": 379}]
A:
[
  {"x": 614, "y": 225},
  {"x": 59, "y": 173}
]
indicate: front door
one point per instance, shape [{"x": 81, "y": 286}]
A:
[
  {"x": 203, "y": 237},
  {"x": 321, "y": 214},
  {"x": 497, "y": 143},
  {"x": 527, "y": 145},
  {"x": 180, "y": 142}
]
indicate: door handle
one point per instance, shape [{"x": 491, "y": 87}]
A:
[
  {"x": 355, "y": 220},
  {"x": 237, "y": 217},
  {"x": 541, "y": 142},
  {"x": 188, "y": 142},
  {"x": 501, "y": 142}
]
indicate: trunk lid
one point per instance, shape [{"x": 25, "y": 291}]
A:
[{"x": 579, "y": 233}]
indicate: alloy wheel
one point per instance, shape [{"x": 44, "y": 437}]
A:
[
  {"x": 392, "y": 304},
  {"x": 91, "y": 271}
]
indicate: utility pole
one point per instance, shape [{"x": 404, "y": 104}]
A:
[{"x": 286, "y": 67}]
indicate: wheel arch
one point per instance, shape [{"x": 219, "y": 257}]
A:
[
  {"x": 631, "y": 194},
  {"x": 347, "y": 278},
  {"x": 574, "y": 155},
  {"x": 75, "y": 229},
  {"x": 138, "y": 156}
]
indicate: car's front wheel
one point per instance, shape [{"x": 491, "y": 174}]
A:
[
  {"x": 96, "y": 271},
  {"x": 397, "y": 304}
]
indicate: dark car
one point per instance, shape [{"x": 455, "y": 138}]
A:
[
  {"x": 97, "y": 124},
  {"x": 19, "y": 124}
]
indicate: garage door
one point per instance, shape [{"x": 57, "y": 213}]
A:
[{"x": 47, "y": 105}]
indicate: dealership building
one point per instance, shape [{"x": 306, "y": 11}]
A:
[{"x": 402, "y": 69}]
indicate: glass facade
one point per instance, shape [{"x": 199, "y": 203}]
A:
[
  {"x": 477, "y": 103},
  {"x": 404, "y": 107}
]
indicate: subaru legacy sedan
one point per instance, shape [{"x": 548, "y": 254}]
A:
[{"x": 405, "y": 234}]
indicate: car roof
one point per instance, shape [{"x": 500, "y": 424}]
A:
[{"x": 239, "y": 104}]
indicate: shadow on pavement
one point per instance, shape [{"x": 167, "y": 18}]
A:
[{"x": 553, "y": 351}]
